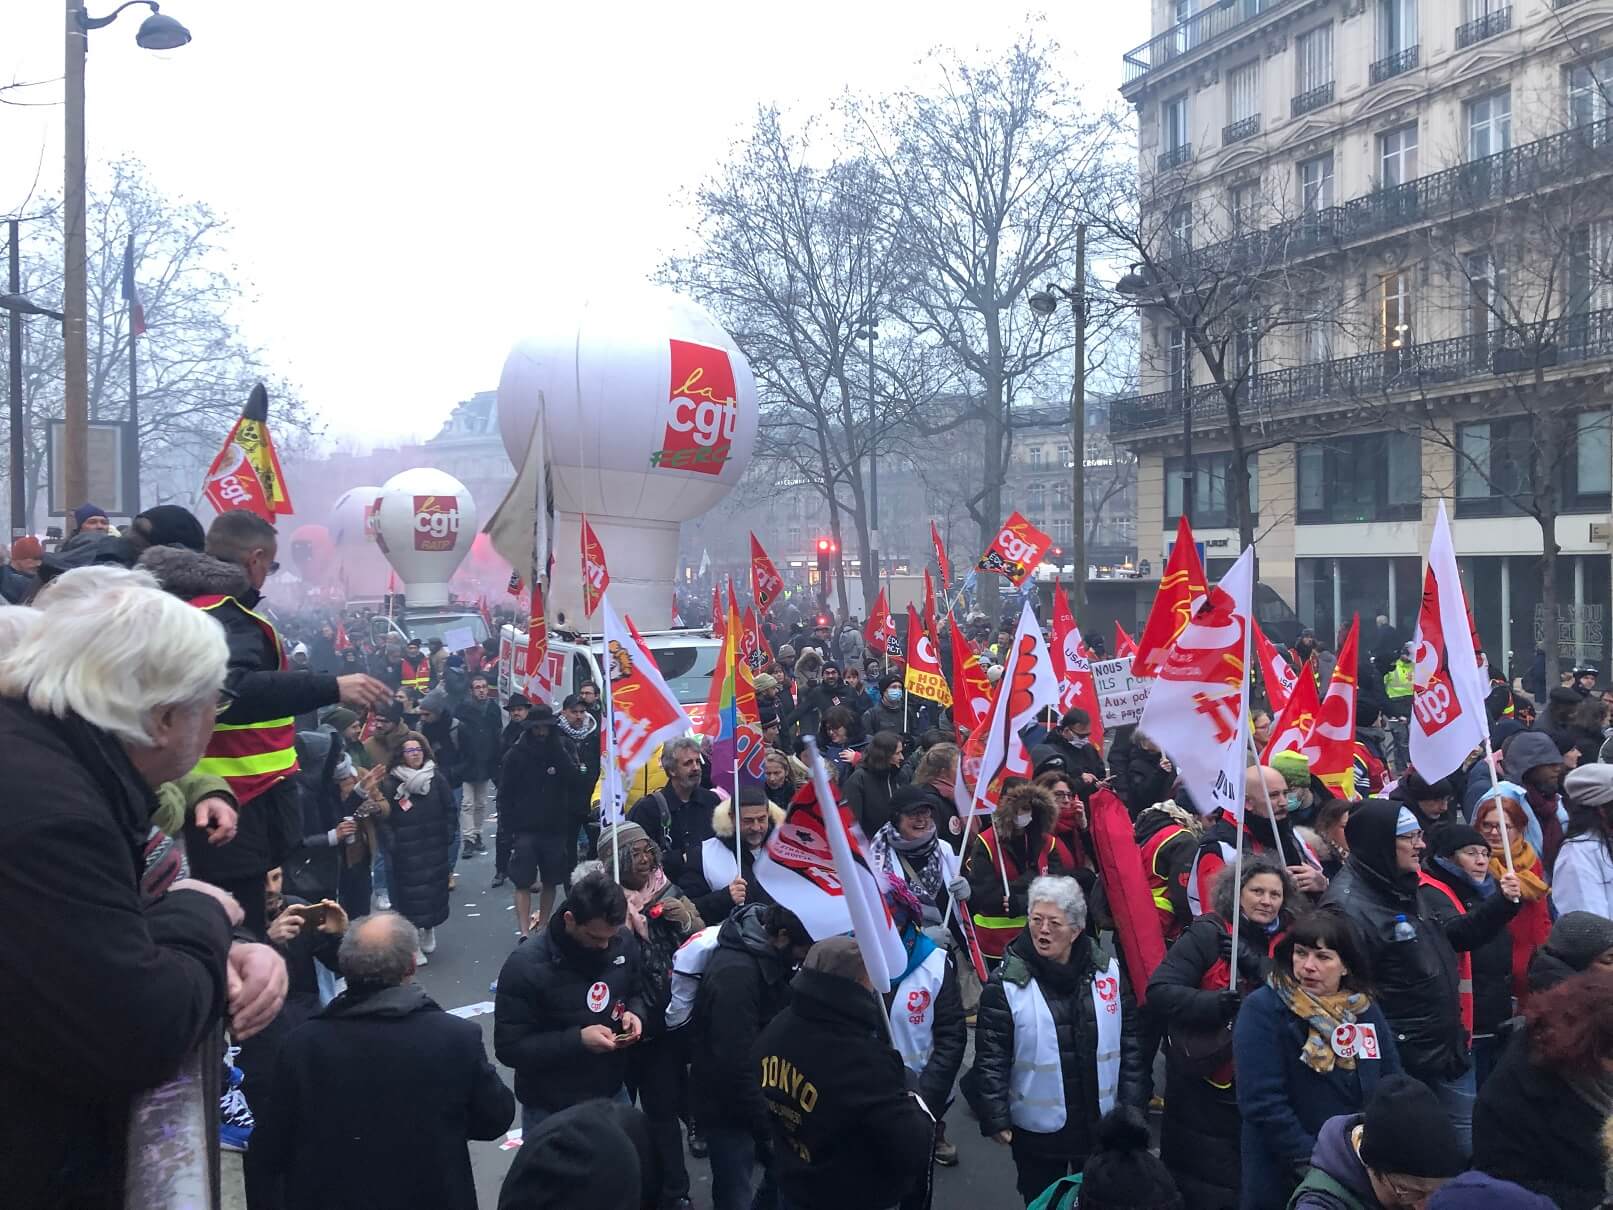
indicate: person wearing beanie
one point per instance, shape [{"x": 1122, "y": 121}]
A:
[
  {"x": 167, "y": 525},
  {"x": 846, "y": 1131},
  {"x": 1534, "y": 761},
  {"x": 90, "y": 519},
  {"x": 1475, "y": 1190},
  {"x": 1540, "y": 1118},
  {"x": 19, "y": 579},
  {"x": 593, "y": 1156},
  {"x": 1576, "y": 943},
  {"x": 1582, "y": 876},
  {"x": 1413, "y": 961},
  {"x": 1121, "y": 1173},
  {"x": 1461, "y": 888},
  {"x": 1392, "y": 1156}
]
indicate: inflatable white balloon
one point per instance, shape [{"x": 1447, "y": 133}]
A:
[
  {"x": 425, "y": 522},
  {"x": 649, "y": 414},
  {"x": 359, "y": 565}
]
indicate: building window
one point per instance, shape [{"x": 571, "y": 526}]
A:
[
  {"x": 1036, "y": 455},
  {"x": 1064, "y": 457},
  {"x": 1489, "y": 124},
  {"x": 1397, "y": 156},
  {"x": 1374, "y": 477},
  {"x": 1179, "y": 227},
  {"x": 1394, "y": 310},
  {"x": 1243, "y": 93},
  {"x": 1590, "y": 287},
  {"x": 1209, "y": 490},
  {"x": 1397, "y": 27},
  {"x": 1240, "y": 207},
  {"x": 1483, "y": 313},
  {"x": 1315, "y": 332},
  {"x": 1588, "y": 85},
  {"x": 1313, "y": 60},
  {"x": 1173, "y": 123},
  {"x": 1593, "y": 474},
  {"x": 1036, "y": 502},
  {"x": 1060, "y": 530},
  {"x": 1176, "y": 364},
  {"x": 1246, "y": 348},
  {"x": 1316, "y": 183}
]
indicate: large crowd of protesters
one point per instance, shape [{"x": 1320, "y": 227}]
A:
[{"x": 214, "y": 820}]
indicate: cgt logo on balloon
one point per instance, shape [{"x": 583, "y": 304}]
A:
[
  {"x": 436, "y": 522},
  {"x": 702, "y": 411}
]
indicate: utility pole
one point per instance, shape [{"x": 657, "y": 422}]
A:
[
  {"x": 19, "y": 464},
  {"x": 1078, "y": 424},
  {"x": 75, "y": 303}
]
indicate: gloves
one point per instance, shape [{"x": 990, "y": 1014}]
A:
[
  {"x": 1248, "y": 962},
  {"x": 1228, "y": 1002},
  {"x": 958, "y": 888}
]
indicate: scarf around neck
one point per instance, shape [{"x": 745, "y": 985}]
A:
[
  {"x": 640, "y": 899},
  {"x": 414, "y": 782},
  {"x": 1526, "y": 865},
  {"x": 1322, "y": 1015},
  {"x": 893, "y": 854}
]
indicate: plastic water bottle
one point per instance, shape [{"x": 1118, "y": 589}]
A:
[{"x": 1403, "y": 929}]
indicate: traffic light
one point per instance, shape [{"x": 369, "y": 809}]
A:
[{"x": 828, "y": 549}]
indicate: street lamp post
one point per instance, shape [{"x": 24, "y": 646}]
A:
[
  {"x": 1045, "y": 303},
  {"x": 156, "y": 32},
  {"x": 16, "y": 305}
]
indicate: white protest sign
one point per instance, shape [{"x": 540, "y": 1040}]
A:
[
  {"x": 1121, "y": 696},
  {"x": 460, "y": 638}
]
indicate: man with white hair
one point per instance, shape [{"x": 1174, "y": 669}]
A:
[
  {"x": 679, "y": 813},
  {"x": 253, "y": 746},
  {"x": 108, "y": 690}
]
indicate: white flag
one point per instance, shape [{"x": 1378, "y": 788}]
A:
[
  {"x": 1200, "y": 699},
  {"x": 1028, "y": 687},
  {"x": 705, "y": 562},
  {"x": 1448, "y": 718},
  {"x": 641, "y": 713}
]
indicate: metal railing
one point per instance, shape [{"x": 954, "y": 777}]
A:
[
  {"x": 172, "y": 1161},
  {"x": 1201, "y": 29},
  {"x": 1176, "y": 156},
  {"x": 1368, "y": 377},
  {"x": 1396, "y": 64},
  {"x": 1527, "y": 168},
  {"x": 1243, "y": 128},
  {"x": 1314, "y": 99},
  {"x": 1487, "y": 26}
]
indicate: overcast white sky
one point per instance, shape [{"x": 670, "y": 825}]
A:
[{"x": 405, "y": 181}]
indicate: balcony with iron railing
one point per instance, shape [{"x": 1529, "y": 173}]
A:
[
  {"x": 1243, "y": 128},
  {"x": 1218, "y": 23},
  {"x": 1525, "y": 169},
  {"x": 1397, "y": 64},
  {"x": 1175, "y": 157},
  {"x": 1486, "y": 26},
  {"x": 1311, "y": 100},
  {"x": 1376, "y": 377}
]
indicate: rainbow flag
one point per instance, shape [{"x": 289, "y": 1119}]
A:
[{"x": 732, "y": 719}]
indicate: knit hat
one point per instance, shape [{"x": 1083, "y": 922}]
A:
[
  {"x": 593, "y": 1156},
  {"x": 84, "y": 512},
  {"x": 340, "y": 717},
  {"x": 171, "y": 525},
  {"x": 765, "y": 682},
  {"x": 1406, "y": 823},
  {"x": 1590, "y": 785},
  {"x": 1529, "y": 750},
  {"x": 1451, "y": 838},
  {"x": 1481, "y": 1191},
  {"x": 391, "y": 712},
  {"x": 1578, "y": 938},
  {"x": 838, "y": 956},
  {"x": 1405, "y": 1131},
  {"x": 1121, "y": 1173},
  {"x": 909, "y": 799},
  {"x": 300, "y": 649},
  {"x": 619, "y": 837},
  {"x": 1295, "y": 768},
  {"x": 28, "y": 547},
  {"x": 344, "y": 768}
]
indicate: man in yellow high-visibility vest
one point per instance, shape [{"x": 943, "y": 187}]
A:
[{"x": 254, "y": 740}]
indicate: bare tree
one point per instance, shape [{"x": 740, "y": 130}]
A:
[{"x": 194, "y": 370}]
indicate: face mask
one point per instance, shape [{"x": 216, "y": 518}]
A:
[
  {"x": 1080, "y": 741},
  {"x": 893, "y": 695},
  {"x": 1022, "y": 820},
  {"x": 1293, "y": 800}
]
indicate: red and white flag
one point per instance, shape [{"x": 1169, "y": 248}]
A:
[
  {"x": 644, "y": 713},
  {"x": 1279, "y": 674},
  {"x": 1296, "y": 718},
  {"x": 1448, "y": 718},
  {"x": 1331, "y": 744},
  {"x": 923, "y": 676},
  {"x": 1124, "y": 644},
  {"x": 538, "y": 686},
  {"x": 929, "y": 606},
  {"x": 765, "y": 581},
  {"x": 821, "y": 876},
  {"x": 941, "y": 559},
  {"x": 880, "y": 632},
  {"x": 1072, "y": 665},
  {"x": 1180, "y": 589},
  {"x": 1028, "y": 687},
  {"x": 595, "y": 575},
  {"x": 1200, "y": 699},
  {"x": 1016, "y": 551},
  {"x": 971, "y": 689},
  {"x": 341, "y": 642},
  {"x": 677, "y": 618}
]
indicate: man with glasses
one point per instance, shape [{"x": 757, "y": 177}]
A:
[{"x": 253, "y": 747}]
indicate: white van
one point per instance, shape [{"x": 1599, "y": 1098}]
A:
[{"x": 687, "y": 659}]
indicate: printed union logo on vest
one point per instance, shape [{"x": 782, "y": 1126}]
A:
[
  {"x": 436, "y": 522},
  {"x": 702, "y": 411}
]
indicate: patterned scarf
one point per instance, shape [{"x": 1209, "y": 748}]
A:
[
  {"x": 640, "y": 899},
  {"x": 1526, "y": 865},
  {"x": 1323, "y": 1014}
]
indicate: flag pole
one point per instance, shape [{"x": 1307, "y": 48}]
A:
[
  {"x": 1242, "y": 792},
  {"x": 739, "y": 858},
  {"x": 1501, "y": 816},
  {"x": 968, "y": 834},
  {"x": 609, "y": 778}
]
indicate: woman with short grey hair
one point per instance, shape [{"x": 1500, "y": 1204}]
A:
[{"x": 1056, "y": 1040}]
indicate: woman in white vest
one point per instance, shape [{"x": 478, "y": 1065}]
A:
[
  {"x": 928, "y": 1028},
  {"x": 1055, "y": 1040}
]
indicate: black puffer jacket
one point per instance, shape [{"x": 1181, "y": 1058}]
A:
[
  {"x": 1199, "y": 1139},
  {"x": 447, "y": 736},
  {"x": 1481, "y": 930},
  {"x": 1416, "y": 980},
  {"x": 1139, "y": 779},
  {"x": 868, "y": 793},
  {"x": 846, "y": 1133},
  {"x": 418, "y": 861},
  {"x": 481, "y": 725},
  {"x": 745, "y": 986},
  {"x": 1077, "y": 1027},
  {"x": 313, "y": 868},
  {"x": 537, "y": 788},
  {"x": 543, "y": 1004}
]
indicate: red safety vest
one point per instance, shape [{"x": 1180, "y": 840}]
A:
[
  {"x": 1159, "y": 883},
  {"x": 1464, "y": 958},
  {"x": 995, "y": 932},
  {"x": 251, "y": 757},
  {"x": 416, "y": 675}
]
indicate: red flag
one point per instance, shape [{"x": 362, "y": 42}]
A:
[
  {"x": 1016, "y": 551},
  {"x": 923, "y": 677},
  {"x": 1296, "y": 718},
  {"x": 1447, "y": 717},
  {"x": 236, "y": 485},
  {"x": 880, "y": 633},
  {"x": 131, "y": 292},
  {"x": 929, "y": 606},
  {"x": 971, "y": 690},
  {"x": 226, "y": 485},
  {"x": 1181, "y": 587},
  {"x": 1072, "y": 665},
  {"x": 677, "y": 620},
  {"x": 1124, "y": 644},
  {"x": 716, "y": 610},
  {"x": 733, "y": 603},
  {"x": 765, "y": 581},
  {"x": 341, "y": 641},
  {"x": 1331, "y": 744},
  {"x": 941, "y": 559},
  {"x": 752, "y": 644},
  {"x": 515, "y": 588},
  {"x": 1279, "y": 673},
  {"x": 486, "y": 612},
  {"x": 537, "y": 648},
  {"x": 595, "y": 576}
]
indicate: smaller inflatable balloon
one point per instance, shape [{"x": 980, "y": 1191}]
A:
[{"x": 425, "y": 523}]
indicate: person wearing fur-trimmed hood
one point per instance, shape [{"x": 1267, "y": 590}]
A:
[
  {"x": 717, "y": 882},
  {"x": 1003, "y": 860}
]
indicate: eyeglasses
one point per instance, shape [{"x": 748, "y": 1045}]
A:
[
  {"x": 1062, "y": 795},
  {"x": 413, "y": 750},
  {"x": 226, "y": 699}
]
